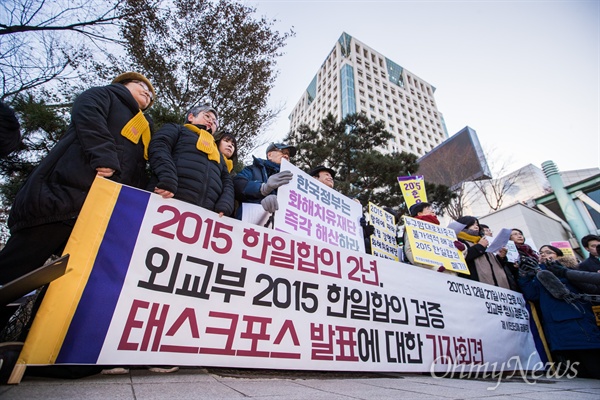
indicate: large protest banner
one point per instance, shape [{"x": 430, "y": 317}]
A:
[{"x": 156, "y": 281}]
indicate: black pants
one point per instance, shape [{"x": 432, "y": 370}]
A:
[
  {"x": 588, "y": 359},
  {"x": 29, "y": 248}
]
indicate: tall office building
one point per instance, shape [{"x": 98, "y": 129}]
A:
[{"x": 355, "y": 78}]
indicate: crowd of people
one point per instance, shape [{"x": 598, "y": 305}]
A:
[{"x": 110, "y": 136}]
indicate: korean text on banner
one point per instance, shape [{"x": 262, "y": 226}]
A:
[
  {"x": 433, "y": 245},
  {"x": 174, "y": 284},
  {"x": 383, "y": 240},
  {"x": 308, "y": 208},
  {"x": 413, "y": 189}
]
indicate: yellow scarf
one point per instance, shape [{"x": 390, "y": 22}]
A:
[
  {"x": 229, "y": 164},
  {"x": 206, "y": 143},
  {"x": 137, "y": 127},
  {"x": 469, "y": 238}
]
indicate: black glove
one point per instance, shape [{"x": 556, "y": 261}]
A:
[
  {"x": 368, "y": 229},
  {"x": 274, "y": 181},
  {"x": 556, "y": 268},
  {"x": 528, "y": 266},
  {"x": 270, "y": 203}
]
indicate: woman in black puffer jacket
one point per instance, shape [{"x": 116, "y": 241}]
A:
[
  {"x": 186, "y": 163},
  {"x": 107, "y": 137}
]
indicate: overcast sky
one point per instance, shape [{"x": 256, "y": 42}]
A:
[{"x": 523, "y": 74}]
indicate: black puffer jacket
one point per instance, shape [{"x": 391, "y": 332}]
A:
[
  {"x": 179, "y": 167},
  {"x": 56, "y": 189}
]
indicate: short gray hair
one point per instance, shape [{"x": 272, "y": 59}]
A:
[{"x": 201, "y": 108}]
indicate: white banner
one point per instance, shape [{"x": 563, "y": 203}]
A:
[{"x": 203, "y": 290}]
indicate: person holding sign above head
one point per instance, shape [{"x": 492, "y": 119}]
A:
[
  {"x": 424, "y": 212},
  {"x": 187, "y": 165},
  {"x": 108, "y": 137},
  {"x": 484, "y": 266},
  {"x": 258, "y": 183}
]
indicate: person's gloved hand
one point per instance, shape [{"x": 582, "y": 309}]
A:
[
  {"x": 274, "y": 181},
  {"x": 528, "y": 266},
  {"x": 460, "y": 246},
  {"x": 270, "y": 203},
  {"x": 556, "y": 268},
  {"x": 368, "y": 229}
]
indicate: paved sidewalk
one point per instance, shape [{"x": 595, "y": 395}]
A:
[{"x": 215, "y": 383}]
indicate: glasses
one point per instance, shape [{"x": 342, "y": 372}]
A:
[
  {"x": 285, "y": 152},
  {"x": 210, "y": 117},
  {"x": 548, "y": 252},
  {"x": 146, "y": 88}
]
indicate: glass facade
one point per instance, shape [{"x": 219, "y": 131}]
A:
[
  {"x": 311, "y": 91},
  {"x": 345, "y": 48},
  {"x": 394, "y": 72},
  {"x": 347, "y": 88}
]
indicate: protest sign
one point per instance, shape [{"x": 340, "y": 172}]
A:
[
  {"x": 383, "y": 240},
  {"x": 155, "y": 281},
  {"x": 434, "y": 245},
  {"x": 308, "y": 208},
  {"x": 413, "y": 189},
  {"x": 565, "y": 247}
]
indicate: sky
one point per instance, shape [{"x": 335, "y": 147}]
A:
[{"x": 523, "y": 74}]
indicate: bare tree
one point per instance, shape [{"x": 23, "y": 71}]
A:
[
  {"x": 494, "y": 190},
  {"x": 41, "y": 41}
]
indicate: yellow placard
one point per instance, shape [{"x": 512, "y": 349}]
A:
[
  {"x": 434, "y": 245},
  {"x": 413, "y": 189}
]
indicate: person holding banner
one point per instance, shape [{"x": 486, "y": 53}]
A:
[
  {"x": 258, "y": 183},
  {"x": 324, "y": 175},
  {"x": 484, "y": 266},
  {"x": 187, "y": 165},
  {"x": 108, "y": 137}
]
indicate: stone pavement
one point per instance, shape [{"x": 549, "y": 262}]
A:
[{"x": 221, "y": 383}]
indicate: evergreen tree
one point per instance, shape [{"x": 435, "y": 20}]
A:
[
  {"x": 351, "y": 148},
  {"x": 41, "y": 127}
]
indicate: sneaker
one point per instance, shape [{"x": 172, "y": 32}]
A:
[
  {"x": 163, "y": 369},
  {"x": 553, "y": 285},
  {"x": 115, "y": 371}
]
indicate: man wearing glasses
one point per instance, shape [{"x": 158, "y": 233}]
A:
[{"x": 258, "y": 183}]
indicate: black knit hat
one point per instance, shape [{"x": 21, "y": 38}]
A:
[
  {"x": 417, "y": 208},
  {"x": 315, "y": 171}
]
